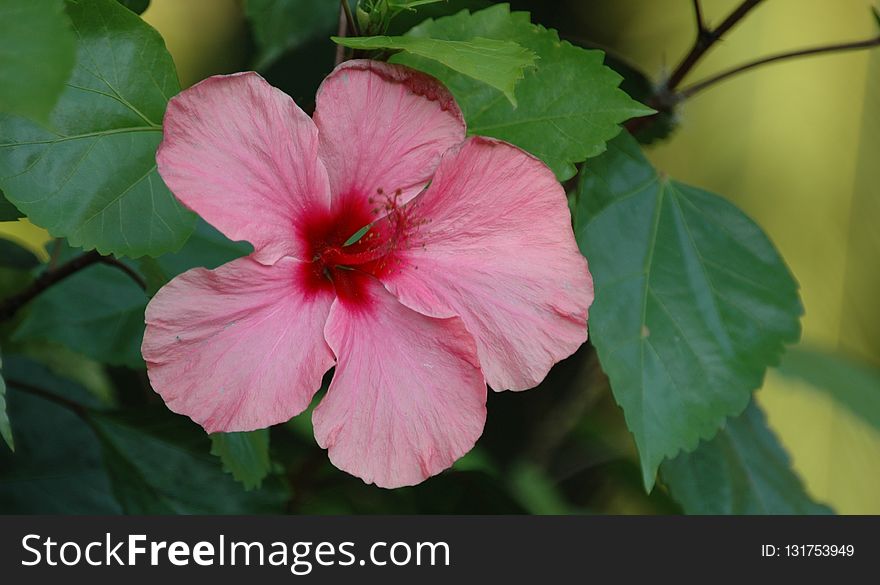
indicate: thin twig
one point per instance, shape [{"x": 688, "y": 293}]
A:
[
  {"x": 341, "y": 32},
  {"x": 698, "y": 15},
  {"x": 696, "y": 88},
  {"x": 46, "y": 395},
  {"x": 705, "y": 40},
  {"x": 111, "y": 261},
  {"x": 49, "y": 278}
]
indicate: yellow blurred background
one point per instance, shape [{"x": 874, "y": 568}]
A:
[{"x": 796, "y": 145}]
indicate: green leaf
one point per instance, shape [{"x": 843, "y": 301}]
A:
[
  {"x": 876, "y": 15},
  {"x": 499, "y": 64},
  {"x": 14, "y": 256},
  {"x": 5, "y": 427},
  {"x": 207, "y": 248},
  {"x": 743, "y": 470},
  {"x": 160, "y": 462},
  {"x": 568, "y": 106},
  {"x": 70, "y": 365},
  {"x": 8, "y": 211},
  {"x": 36, "y": 56},
  {"x": 283, "y": 25},
  {"x": 136, "y": 6},
  {"x": 693, "y": 302},
  {"x": 853, "y": 384},
  {"x": 537, "y": 493},
  {"x": 92, "y": 178},
  {"x": 99, "y": 312},
  {"x": 244, "y": 455},
  {"x": 57, "y": 466}
]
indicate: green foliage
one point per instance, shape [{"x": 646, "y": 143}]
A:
[
  {"x": 876, "y": 14},
  {"x": 206, "y": 248},
  {"x": 8, "y": 211},
  {"x": 743, "y": 470},
  {"x": 160, "y": 462},
  {"x": 75, "y": 457},
  {"x": 57, "y": 466},
  {"x": 136, "y": 6},
  {"x": 537, "y": 493},
  {"x": 853, "y": 384},
  {"x": 5, "y": 427},
  {"x": 14, "y": 256},
  {"x": 567, "y": 107},
  {"x": 283, "y": 25},
  {"x": 99, "y": 311},
  {"x": 92, "y": 177},
  {"x": 36, "y": 56},
  {"x": 375, "y": 16},
  {"x": 692, "y": 303},
  {"x": 244, "y": 455},
  {"x": 499, "y": 64}
]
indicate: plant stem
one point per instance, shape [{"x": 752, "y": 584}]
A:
[
  {"x": 698, "y": 87},
  {"x": 341, "y": 32},
  {"x": 705, "y": 40},
  {"x": 51, "y": 277},
  {"x": 352, "y": 23}
]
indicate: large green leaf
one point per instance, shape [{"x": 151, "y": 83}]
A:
[
  {"x": 161, "y": 462},
  {"x": 283, "y": 25},
  {"x": 5, "y": 427},
  {"x": 853, "y": 384},
  {"x": 692, "y": 304},
  {"x": 568, "y": 106},
  {"x": 499, "y": 64},
  {"x": 743, "y": 470},
  {"x": 244, "y": 455},
  {"x": 98, "y": 312},
  {"x": 36, "y": 56},
  {"x": 92, "y": 177}
]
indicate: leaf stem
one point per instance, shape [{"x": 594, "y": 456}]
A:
[
  {"x": 700, "y": 86},
  {"x": 51, "y": 277}
]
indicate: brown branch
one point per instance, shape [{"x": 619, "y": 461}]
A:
[
  {"x": 706, "y": 39},
  {"x": 51, "y": 277},
  {"x": 698, "y": 15},
  {"x": 698, "y": 87}
]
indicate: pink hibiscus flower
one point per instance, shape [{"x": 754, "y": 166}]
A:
[{"x": 474, "y": 279}]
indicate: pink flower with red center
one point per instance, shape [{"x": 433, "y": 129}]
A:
[{"x": 421, "y": 264}]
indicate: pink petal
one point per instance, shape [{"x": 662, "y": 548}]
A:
[
  {"x": 491, "y": 242},
  {"x": 407, "y": 398},
  {"x": 244, "y": 156},
  {"x": 240, "y": 347},
  {"x": 383, "y": 126}
]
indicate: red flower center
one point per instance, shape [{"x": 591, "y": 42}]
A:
[{"x": 351, "y": 241}]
